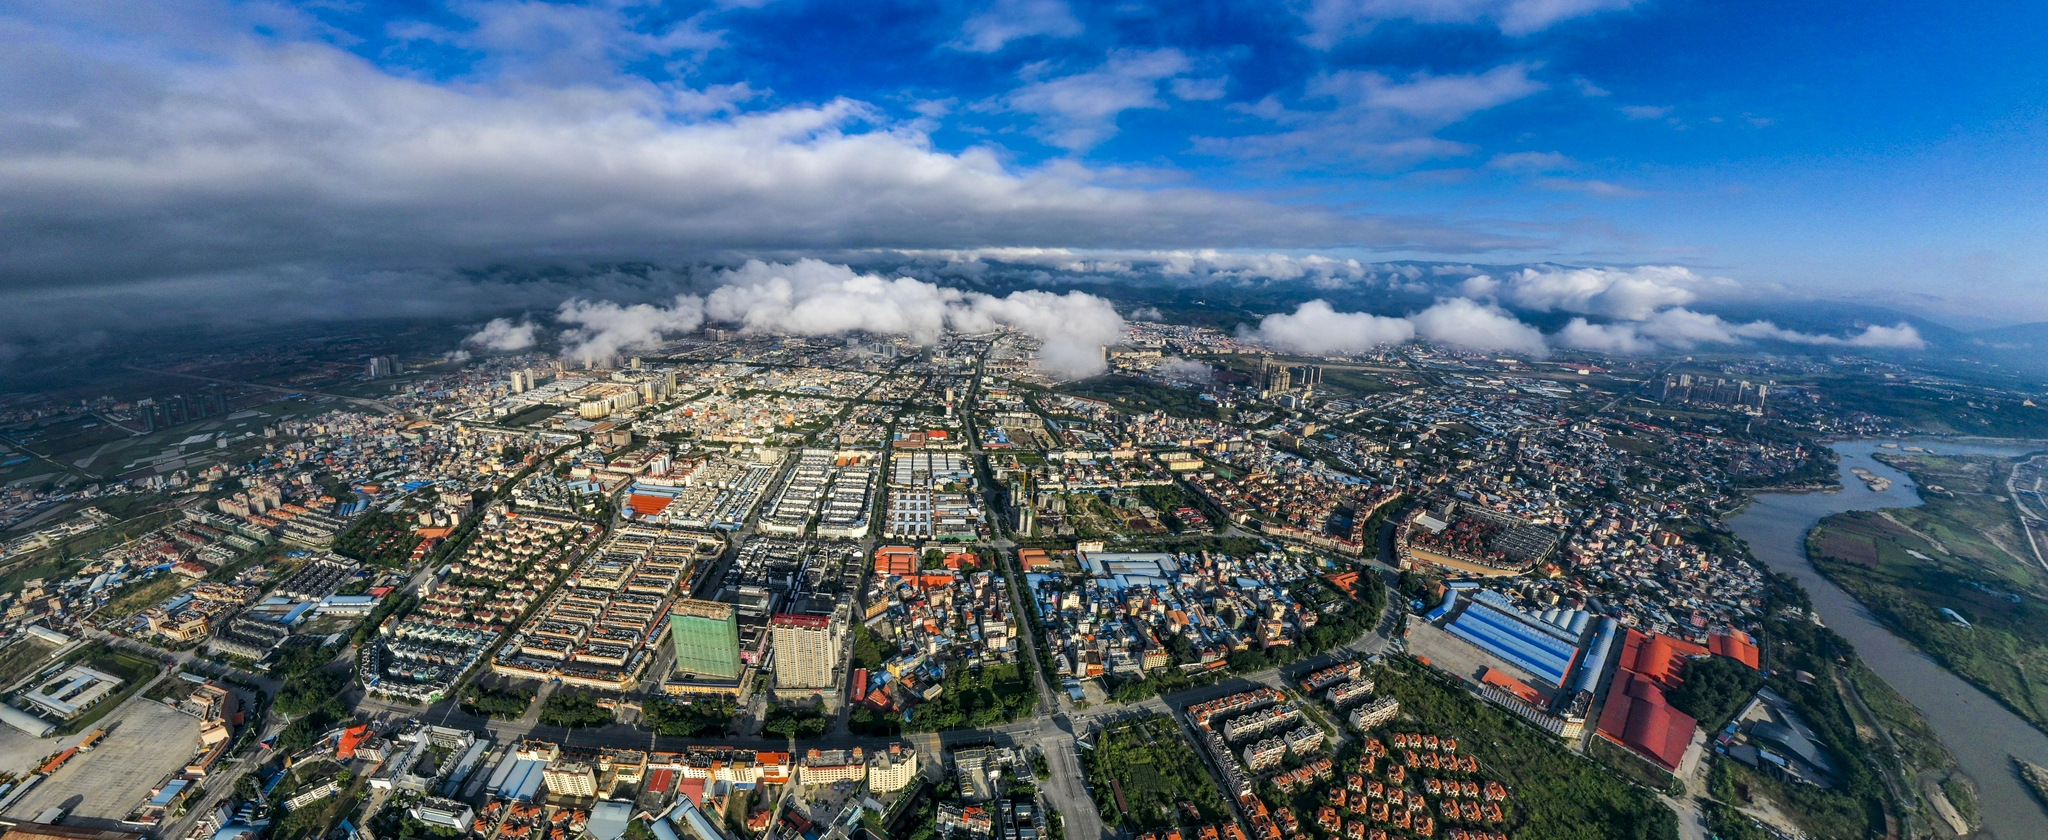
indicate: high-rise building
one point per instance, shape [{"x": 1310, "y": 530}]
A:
[
  {"x": 521, "y": 381},
  {"x": 807, "y": 648},
  {"x": 570, "y": 779},
  {"x": 707, "y": 640}
]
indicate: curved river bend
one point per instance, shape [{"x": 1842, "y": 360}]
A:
[{"x": 1975, "y": 727}]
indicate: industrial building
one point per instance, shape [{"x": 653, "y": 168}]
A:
[
  {"x": 1516, "y": 637},
  {"x": 1636, "y": 715}
]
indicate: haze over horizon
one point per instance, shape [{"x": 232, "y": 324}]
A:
[{"x": 210, "y": 161}]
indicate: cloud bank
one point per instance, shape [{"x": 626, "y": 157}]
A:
[
  {"x": 1646, "y": 311},
  {"x": 153, "y": 149},
  {"x": 1316, "y": 328},
  {"x": 1641, "y": 310},
  {"x": 503, "y": 335},
  {"x": 812, "y": 297}
]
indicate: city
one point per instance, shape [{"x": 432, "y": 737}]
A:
[
  {"x": 499, "y": 597},
  {"x": 1023, "y": 420}
]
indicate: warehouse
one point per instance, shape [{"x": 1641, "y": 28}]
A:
[{"x": 1516, "y": 638}]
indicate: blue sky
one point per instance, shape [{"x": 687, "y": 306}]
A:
[{"x": 1888, "y": 151}]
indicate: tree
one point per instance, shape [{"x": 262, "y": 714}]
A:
[
  {"x": 686, "y": 720},
  {"x": 791, "y": 722},
  {"x": 574, "y": 711},
  {"x": 1714, "y": 690}
]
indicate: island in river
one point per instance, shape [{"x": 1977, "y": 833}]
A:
[{"x": 1978, "y": 730}]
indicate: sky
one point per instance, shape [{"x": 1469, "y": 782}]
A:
[{"x": 195, "y": 152}]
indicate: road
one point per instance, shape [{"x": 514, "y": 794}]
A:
[{"x": 2034, "y": 468}]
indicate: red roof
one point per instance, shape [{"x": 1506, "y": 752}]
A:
[
  {"x": 350, "y": 739},
  {"x": 1735, "y": 645},
  {"x": 644, "y": 504},
  {"x": 692, "y": 788},
  {"x": 1637, "y": 717},
  {"x": 799, "y": 620},
  {"x": 1512, "y": 686},
  {"x": 1658, "y": 657},
  {"x": 659, "y": 780}
]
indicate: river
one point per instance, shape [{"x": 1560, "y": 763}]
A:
[{"x": 1975, "y": 727}]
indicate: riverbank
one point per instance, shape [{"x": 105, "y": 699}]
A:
[
  {"x": 1976, "y": 729},
  {"x": 1992, "y": 642}
]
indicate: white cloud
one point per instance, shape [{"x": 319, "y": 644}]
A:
[
  {"x": 503, "y": 335},
  {"x": 148, "y": 154},
  {"x": 1682, "y": 329},
  {"x": 1332, "y": 21},
  {"x": 1004, "y": 21},
  {"x": 1594, "y": 188},
  {"x": 1462, "y": 322},
  {"x": 810, "y": 297},
  {"x": 1900, "y": 336},
  {"x": 1616, "y": 339},
  {"x": 1645, "y": 112},
  {"x": 1626, "y": 293},
  {"x": 604, "y": 329},
  {"x": 1079, "y": 111},
  {"x": 1189, "y": 370},
  {"x": 564, "y": 43},
  {"x": 1316, "y": 328},
  {"x": 1531, "y": 162},
  {"x": 1200, "y": 90},
  {"x": 1377, "y": 117}
]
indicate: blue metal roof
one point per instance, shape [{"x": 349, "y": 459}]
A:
[{"x": 1515, "y": 640}]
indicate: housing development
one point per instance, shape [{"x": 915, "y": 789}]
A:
[{"x": 756, "y": 586}]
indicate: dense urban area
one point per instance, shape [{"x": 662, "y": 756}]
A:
[{"x": 754, "y": 586}]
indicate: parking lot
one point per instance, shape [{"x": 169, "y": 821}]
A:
[{"x": 148, "y": 742}]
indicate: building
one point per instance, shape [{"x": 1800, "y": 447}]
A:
[
  {"x": 1636, "y": 715},
  {"x": 446, "y": 813},
  {"x": 972, "y": 820},
  {"x": 1265, "y": 754},
  {"x": 807, "y": 649},
  {"x": 892, "y": 769},
  {"x": 78, "y": 688},
  {"x": 707, "y": 640},
  {"x": 1375, "y": 713},
  {"x": 823, "y": 767},
  {"x": 571, "y": 779}
]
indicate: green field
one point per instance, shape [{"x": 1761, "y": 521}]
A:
[
  {"x": 380, "y": 539},
  {"x": 1151, "y": 764},
  {"x": 1133, "y": 394},
  {"x": 1960, "y": 410},
  {"x": 531, "y": 415},
  {"x": 141, "y": 595},
  {"x": 977, "y": 697},
  {"x": 1971, "y": 521},
  {"x": 2005, "y": 650},
  {"x": 17, "y": 659}
]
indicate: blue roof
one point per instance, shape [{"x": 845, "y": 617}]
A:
[
  {"x": 170, "y": 792},
  {"x": 1450, "y": 600},
  {"x": 1516, "y": 640},
  {"x": 523, "y": 781}
]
